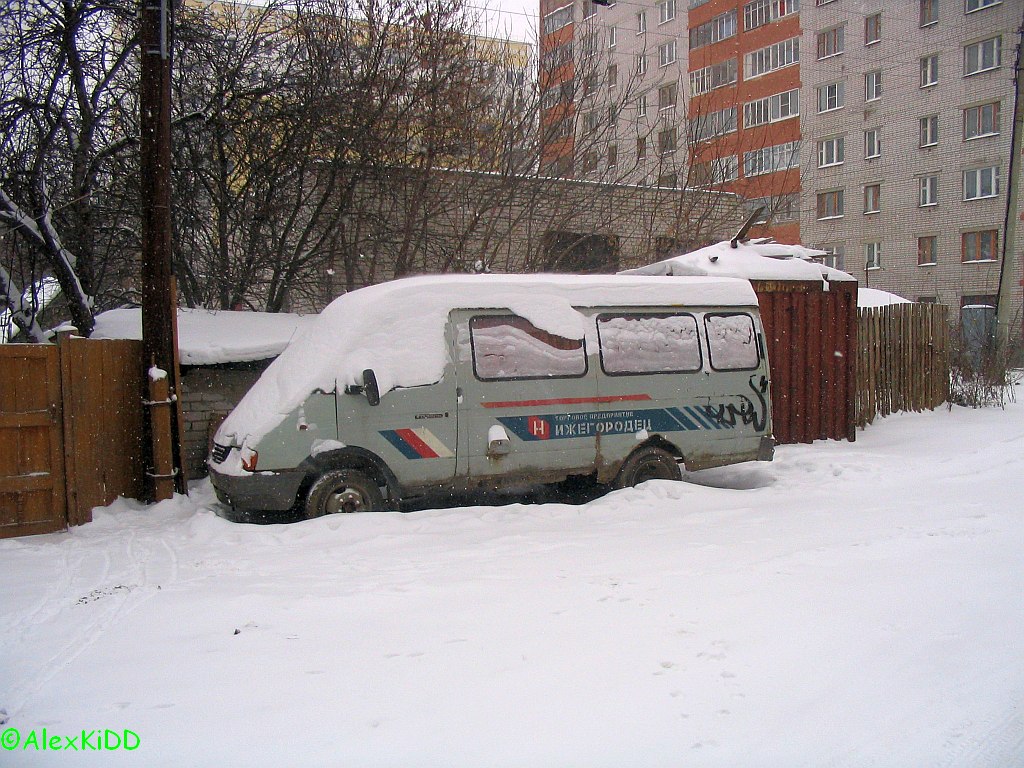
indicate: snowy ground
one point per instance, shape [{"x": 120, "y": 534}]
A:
[{"x": 848, "y": 605}]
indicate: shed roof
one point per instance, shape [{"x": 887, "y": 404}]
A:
[{"x": 759, "y": 259}]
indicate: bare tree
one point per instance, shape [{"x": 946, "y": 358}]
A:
[{"x": 66, "y": 121}]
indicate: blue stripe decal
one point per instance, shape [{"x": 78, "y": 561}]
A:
[
  {"x": 395, "y": 439},
  {"x": 680, "y": 417},
  {"x": 702, "y": 419}
]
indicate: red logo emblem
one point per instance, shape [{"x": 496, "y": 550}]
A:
[{"x": 539, "y": 429}]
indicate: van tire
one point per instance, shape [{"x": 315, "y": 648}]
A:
[
  {"x": 647, "y": 463},
  {"x": 343, "y": 491}
]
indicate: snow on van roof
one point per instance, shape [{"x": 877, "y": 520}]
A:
[
  {"x": 760, "y": 259},
  {"x": 207, "y": 337},
  {"x": 397, "y": 329}
]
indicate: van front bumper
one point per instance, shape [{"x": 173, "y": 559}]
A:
[{"x": 259, "y": 491}]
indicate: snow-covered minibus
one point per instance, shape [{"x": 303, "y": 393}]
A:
[{"x": 480, "y": 381}]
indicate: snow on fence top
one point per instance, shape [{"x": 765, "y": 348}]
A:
[
  {"x": 752, "y": 260},
  {"x": 397, "y": 329},
  {"x": 206, "y": 337},
  {"x": 872, "y": 297}
]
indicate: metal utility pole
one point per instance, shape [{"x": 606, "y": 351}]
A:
[
  {"x": 159, "y": 304},
  {"x": 1009, "y": 255}
]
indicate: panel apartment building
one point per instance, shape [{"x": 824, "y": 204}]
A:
[
  {"x": 907, "y": 130},
  {"x": 877, "y": 130}
]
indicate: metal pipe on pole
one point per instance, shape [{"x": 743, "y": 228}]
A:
[{"x": 159, "y": 303}]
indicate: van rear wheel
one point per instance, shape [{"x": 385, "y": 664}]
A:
[
  {"x": 647, "y": 463},
  {"x": 343, "y": 491}
]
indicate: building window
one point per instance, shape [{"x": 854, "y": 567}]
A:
[
  {"x": 588, "y": 163},
  {"x": 981, "y": 121},
  {"x": 979, "y": 246},
  {"x": 641, "y": 105},
  {"x": 667, "y": 140},
  {"x": 715, "y": 76},
  {"x": 613, "y": 75},
  {"x": 770, "y": 109},
  {"x": 613, "y": 155},
  {"x": 554, "y": 21},
  {"x": 729, "y": 167},
  {"x": 719, "y": 123},
  {"x": 835, "y": 255},
  {"x": 928, "y": 128},
  {"x": 591, "y": 122},
  {"x": 873, "y": 85},
  {"x": 983, "y": 56},
  {"x": 668, "y": 96},
  {"x": 830, "y": 204},
  {"x": 589, "y": 10},
  {"x": 831, "y": 151},
  {"x": 641, "y": 64},
  {"x": 771, "y": 58},
  {"x": 760, "y": 12},
  {"x": 928, "y": 191},
  {"x": 872, "y": 198},
  {"x": 830, "y": 97},
  {"x": 977, "y": 5},
  {"x": 927, "y": 251},
  {"x": 641, "y": 22},
  {"x": 929, "y": 12},
  {"x": 981, "y": 182},
  {"x": 666, "y": 11},
  {"x": 779, "y": 157},
  {"x": 641, "y": 148},
  {"x": 719, "y": 28},
  {"x": 831, "y": 42},
  {"x": 929, "y": 70},
  {"x": 667, "y": 53},
  {"x": 612, "y": 37},
  {"x": 872, "y": 28},
  {"x": 872, "y": 143},
  {"x": 873, "y": 255}
]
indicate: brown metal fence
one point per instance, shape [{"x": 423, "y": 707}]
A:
[
  {"x": 902, "y": 359},
  {"x": 811, "y": 337},
  {"x": 71, "y": 431}
]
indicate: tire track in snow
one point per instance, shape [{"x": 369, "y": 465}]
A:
[{"x": 111, "y": 598}]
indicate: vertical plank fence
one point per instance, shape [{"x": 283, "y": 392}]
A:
[
  {"x": 71, "y": 430},
  {"x": 902, "y": 359},
  {"x": 811, "y": 337}
]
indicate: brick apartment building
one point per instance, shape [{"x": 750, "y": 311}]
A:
[{"x": 877, "y": 130}]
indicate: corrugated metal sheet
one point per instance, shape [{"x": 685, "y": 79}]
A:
[{"x": 812, "y": 342}]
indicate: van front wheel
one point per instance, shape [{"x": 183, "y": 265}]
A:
[
  {"x": 342, "y": 491},
  {"x": 648, "y": 463}
]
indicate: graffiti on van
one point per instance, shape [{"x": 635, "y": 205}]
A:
[{"x": 748, "y": 412}]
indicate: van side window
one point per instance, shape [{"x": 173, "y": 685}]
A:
[
  {"x": 510, "y": 347},
  {"x": 732, "y": 342},
  {"x": 648, "y": 343}
]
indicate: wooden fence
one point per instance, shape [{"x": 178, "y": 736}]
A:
[
  {"x": 71, "y": 431},
  {"x": 902, "y": 359}
]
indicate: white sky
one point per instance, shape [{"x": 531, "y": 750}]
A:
[{"x": 516, "y": 19}]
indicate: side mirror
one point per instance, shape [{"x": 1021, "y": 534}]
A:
[{"x": 370, "y": 388}]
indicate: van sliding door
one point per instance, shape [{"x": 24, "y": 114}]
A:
[{"x": 535, "y": 385}]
